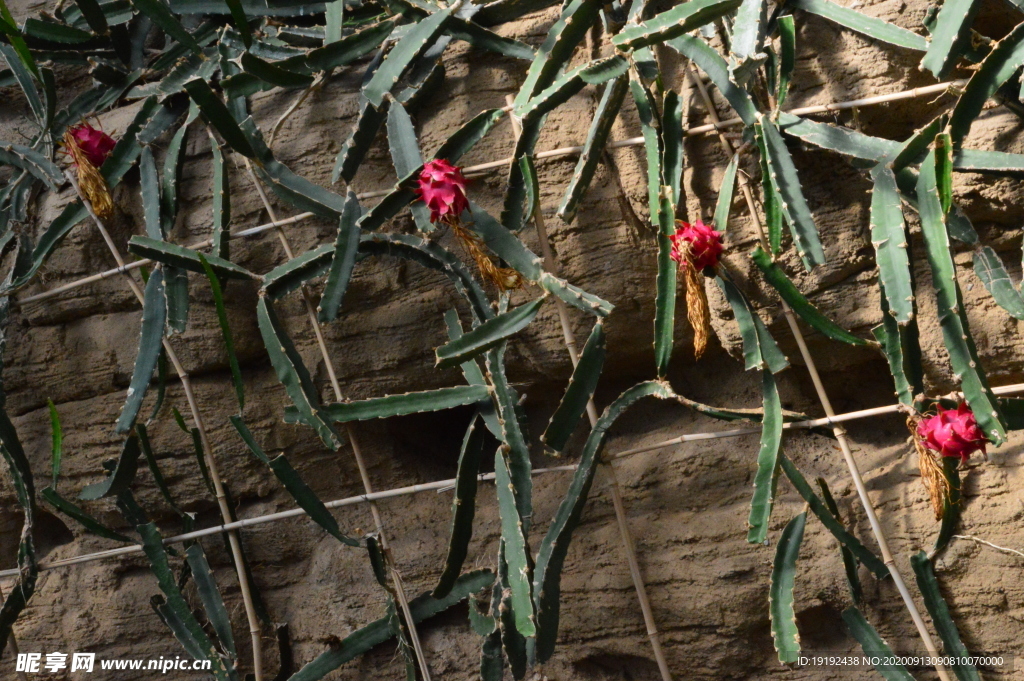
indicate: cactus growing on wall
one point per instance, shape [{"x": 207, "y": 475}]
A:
[{"x": 192, "y": 68}]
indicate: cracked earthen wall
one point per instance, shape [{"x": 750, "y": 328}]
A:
[{"x": 687, "y": 504}]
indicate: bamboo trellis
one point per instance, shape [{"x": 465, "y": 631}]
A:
[{"x": 369, "y": 497}]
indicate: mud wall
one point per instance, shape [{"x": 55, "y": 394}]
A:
[{"x": 687, "y": 504}]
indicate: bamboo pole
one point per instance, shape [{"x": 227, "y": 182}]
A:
[
  {"x": 211, "y": 464},
  {"x": 483, "y": 168},
  {"x": 826, "y": 404},
  {"x": 447, "y": 485},
  {"x": 437, "y": 486},
  {"x": 620, "y": 509},
  {"x": 403, "y": 600},
  {"x": 809, "y": 423}
]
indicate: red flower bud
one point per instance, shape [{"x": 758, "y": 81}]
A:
[
  {"x": 703, "y": 242},
  {"x": 95, "y": 144},
  {"x": 443, "y": 188},
  {"x": 952, "y": 432}
]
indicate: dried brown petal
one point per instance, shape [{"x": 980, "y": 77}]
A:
[
  {"x": 697, "y": 310},
  {"x": 504, "y": 278},
  {"x": 931, "y": 469},
  {"x": 90, "y": 180}
]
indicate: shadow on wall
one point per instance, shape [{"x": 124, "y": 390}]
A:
[
  {"x": 822, "y": 629},
  {"x": 48, "y": 533},
  {"x": 606, "y": 667}
]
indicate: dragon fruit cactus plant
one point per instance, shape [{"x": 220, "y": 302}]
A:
[{"x": 186, "y": 58}]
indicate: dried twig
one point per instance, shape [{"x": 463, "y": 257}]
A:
[
  {"x": 317, "y": 84},
  {"x": 988, "y": 543}
]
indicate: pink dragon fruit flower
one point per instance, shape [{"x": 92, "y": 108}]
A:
[
  {"x": 94, "y": 144},
  {"x": 953, "y": 432},
  {"x": 443, "y": 188},
  {"x": 704, "y": 244}
]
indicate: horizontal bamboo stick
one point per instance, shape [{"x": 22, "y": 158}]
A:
[
  {"x": 483, "y": 168},
  {"x": 135, "y": 264},
  {"x": 445, "y": 485},
  {"x": 810, "y": 423},
  {"x": 269, "y": 518}
]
